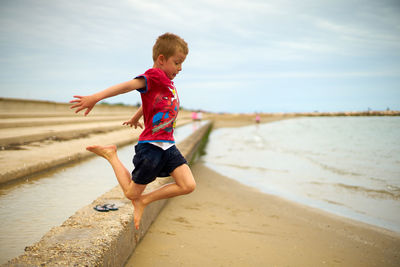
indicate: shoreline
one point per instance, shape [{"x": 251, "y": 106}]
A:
[
  {"x": 360, "y": 201},
  {"x": 224, "y": 222}
]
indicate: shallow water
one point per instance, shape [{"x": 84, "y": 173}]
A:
[
  {"x": 349, "y": 166},
  {"x": 32, "y": 207}
]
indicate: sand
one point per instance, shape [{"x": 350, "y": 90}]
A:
[
  {"x": 224, "y": 223},
  {"x": 239, "y": 120}
]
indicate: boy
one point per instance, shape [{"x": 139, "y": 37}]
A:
[{"x": 156, "y": 153}]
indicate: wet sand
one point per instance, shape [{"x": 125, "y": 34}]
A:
[{"x": 225, "y": 223}]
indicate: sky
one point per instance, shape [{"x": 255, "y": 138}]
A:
[{"x": 244, "y": 56}]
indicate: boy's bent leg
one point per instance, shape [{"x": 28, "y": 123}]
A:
[
  {"x": 184, "y": 179},
  {"x": 184, "y": 184}
]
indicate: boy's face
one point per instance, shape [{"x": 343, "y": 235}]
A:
[{"x": 173, "y": 65}]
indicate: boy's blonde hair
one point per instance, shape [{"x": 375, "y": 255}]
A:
[{"x": 167, "y": 44}]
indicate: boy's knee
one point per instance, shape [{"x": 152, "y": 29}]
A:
[{"x": 189, "y": 187}]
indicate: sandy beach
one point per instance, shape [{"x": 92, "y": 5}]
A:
[{"x": 224, "y": 223}]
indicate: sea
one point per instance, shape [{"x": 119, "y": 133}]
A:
[{"x": 348, "y": 166}]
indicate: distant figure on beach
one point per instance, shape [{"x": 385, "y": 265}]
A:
[
  {"x": 194, "y": 115},
  {"x": 197, "y": 115},
  {"x": 258, "y": 119},
  {"x": 156, "y": 153}
]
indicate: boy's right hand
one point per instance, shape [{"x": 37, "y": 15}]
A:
[
  {"x": 133, "y": 123},
  {"x": 83, "y": 102}
]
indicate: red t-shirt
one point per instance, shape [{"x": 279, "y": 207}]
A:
[{"x": 160, "y": 105}]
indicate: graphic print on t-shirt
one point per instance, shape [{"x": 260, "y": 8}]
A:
[
  {"x": 165, "y": 119},
  {"x": 160, "y": 103}
]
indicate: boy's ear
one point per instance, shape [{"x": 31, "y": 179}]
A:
[{"x": 161, "y": 59}]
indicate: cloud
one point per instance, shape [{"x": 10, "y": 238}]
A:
[{"x": 234, "y": 45}]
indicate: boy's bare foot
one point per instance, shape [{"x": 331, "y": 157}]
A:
[
  {"x": 139, "y": 208},
  {"x": 103, "y": 151}
]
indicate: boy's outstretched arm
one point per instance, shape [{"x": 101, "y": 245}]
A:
[{"x": 88, "y": 102}]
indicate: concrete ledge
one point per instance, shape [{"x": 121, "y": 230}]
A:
[
  {"x": 90, "y": 238},
  {"x": 37, "y": 121},
  {"x": 29, "y": 135},
  {"x": 26, "y": 162},
  {"x": 70, "y": 152}
]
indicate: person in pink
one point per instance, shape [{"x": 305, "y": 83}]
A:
[
  {"x": 156, "y": 154},
  {"x": 194, "y": 115}
]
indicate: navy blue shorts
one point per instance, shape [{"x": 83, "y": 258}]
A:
[{"x": 152, "y": 161}]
